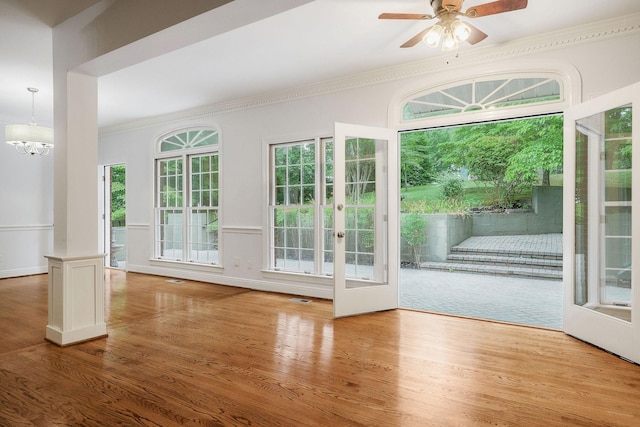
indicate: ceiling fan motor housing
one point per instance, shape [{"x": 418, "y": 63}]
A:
[{"x": 437, "y": 5}]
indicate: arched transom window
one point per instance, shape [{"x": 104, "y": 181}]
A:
[
  {"x": 483, "y": 94},
  {"x": 191, "y": 138}
]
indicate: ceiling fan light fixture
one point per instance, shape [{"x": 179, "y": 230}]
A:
[
  {"x": 449, "y": 42},
  {"x": 433, "y": 36},
  {"x": 460, "y": 31}
]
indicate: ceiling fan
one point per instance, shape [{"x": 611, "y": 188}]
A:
[{"x": 450, "y": 29}]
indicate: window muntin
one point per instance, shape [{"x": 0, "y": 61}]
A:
[
  {"x": 193, "y": 138},
  {"x": 187, "y": 197},
  {"x": 481, "y": 95},
  {"x": 301, "y": 215}
]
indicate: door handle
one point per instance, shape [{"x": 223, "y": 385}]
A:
[{"x": 340, "y": 234}]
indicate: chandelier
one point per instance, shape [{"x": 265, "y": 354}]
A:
[{"x": 30, "y": 139}]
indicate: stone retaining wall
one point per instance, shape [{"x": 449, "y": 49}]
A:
[{"x": 447, "y": 230}]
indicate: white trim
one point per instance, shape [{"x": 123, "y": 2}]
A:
[
  {"x": 612, "y": 28},
  {"x": 185, "y": 265},
  {"x": 138, "y": 226},
  {"x": 26, "y": 227},
  {"x": 240, "y": 229},
  {"x": 308, "y": 289},
  {"x": 18, "y": 272}
]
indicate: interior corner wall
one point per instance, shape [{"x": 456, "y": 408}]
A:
[{"x": 243, "y": 135}]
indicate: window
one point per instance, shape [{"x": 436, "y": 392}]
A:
[
  {"x": 187, "y": 197},
  {"x": 301, "y": 216},
  {"x": 491, "y": 93}
]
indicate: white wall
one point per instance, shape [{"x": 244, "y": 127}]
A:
[
  {"x": 603, "y": 65},
  {"x": 26, "y": 188},
  {"x": 26, "y": 212}
]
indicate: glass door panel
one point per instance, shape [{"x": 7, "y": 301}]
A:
[
  {"x": 115, "y": 232},
  {"x": 600, "y": 223},
  {"x": 365, "y": 220}
]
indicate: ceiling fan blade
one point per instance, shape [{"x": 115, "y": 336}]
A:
[
  {"x": 476, "y": 34},
  {"x": 419, "y": 16},
  {"x": 495, "y": 7},
  {"x": 416, "y": 39}
]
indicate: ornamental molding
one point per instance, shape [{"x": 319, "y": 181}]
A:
[{"x": 574, "y": 36}]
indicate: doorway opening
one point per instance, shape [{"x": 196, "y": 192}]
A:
[
  {"x": 481, "y": 220},
  {"x": 115, "y": 223}
]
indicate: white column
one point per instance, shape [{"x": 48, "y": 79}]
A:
[{"x": 76, "y": 268}]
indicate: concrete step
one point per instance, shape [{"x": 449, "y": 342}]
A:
[
  {"x": 499, "y": 270},
  {"x": 503, "y": 260},
  {"x": 506, "y": 252}
]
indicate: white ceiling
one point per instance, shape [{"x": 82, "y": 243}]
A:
[{"x": 315, "y": 42}]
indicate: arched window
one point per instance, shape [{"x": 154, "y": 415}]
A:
[
  {"x": 187, "y": 175},
  {"x": 486, "y": 95},
  {"x": 186, "y": 139}
]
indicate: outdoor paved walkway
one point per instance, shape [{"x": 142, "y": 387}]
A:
[
  {"x": 550, "y": 244},
  {"x": 508, "y": 299},
  {"x": 523, "y": 300}
]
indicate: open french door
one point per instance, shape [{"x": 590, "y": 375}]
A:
[
  {"x": 602, "y": 222},
  {"x": 365, "y": 211}
]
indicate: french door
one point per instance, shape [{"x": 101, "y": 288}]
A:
[
  {"x": 365, "y": 211},
  {"x": 602, "y": 222}
]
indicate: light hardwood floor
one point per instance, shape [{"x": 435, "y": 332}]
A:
[{"x": 202, "y": 354}]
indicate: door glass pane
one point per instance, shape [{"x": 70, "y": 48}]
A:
[
  {"x": 603, "y": 147},
  {"x": 360, "y": 209},
  {"x": 581, "y": 294},
  {"x": 117, "y": 214},
  {"x": 617, "y": 207}
]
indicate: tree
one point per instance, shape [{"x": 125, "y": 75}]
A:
[
  {"x": 360, "y": 167},
  {"x": 486, "y": 151},
  {"x": 420, "y": 158},
  {"x": 542, "y": 151}
]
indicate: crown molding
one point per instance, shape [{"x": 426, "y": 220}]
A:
[{"x": 574, "y": 36}]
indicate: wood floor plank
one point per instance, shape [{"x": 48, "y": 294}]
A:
[{"x": 201, "y": 354}]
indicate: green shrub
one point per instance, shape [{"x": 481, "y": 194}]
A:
[
  {"x": 451, "y": 187},
  {"x": 413, "y": 230}
]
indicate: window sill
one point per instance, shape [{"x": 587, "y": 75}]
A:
[
  {"x": 298, "y": 277},
  {"x": 183, "y": 265}
]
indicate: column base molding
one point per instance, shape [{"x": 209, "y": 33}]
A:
[{"x": 76, "y": 299}]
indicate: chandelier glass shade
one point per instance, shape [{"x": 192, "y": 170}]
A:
[
  {"x": 449, "y": 32},
  {"x": 31, "y": 138}
]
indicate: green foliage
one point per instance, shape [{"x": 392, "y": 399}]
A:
[
  {"x": 451, "y": 187},
  {"x": 360, "y": 166},
  {"x": 618, "y": 121},
  {"x": 506, "y": 156},
  {"x": 419, "y": 160},
  {"x": 118, "y": 202},
  {"x": 413, "y": 230},
  {"x": 487, "y": 157},
  {"x": 624, "y": 157},
  {"x": 424, "y": 206},
  {"x": 542, "y": 151}
]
